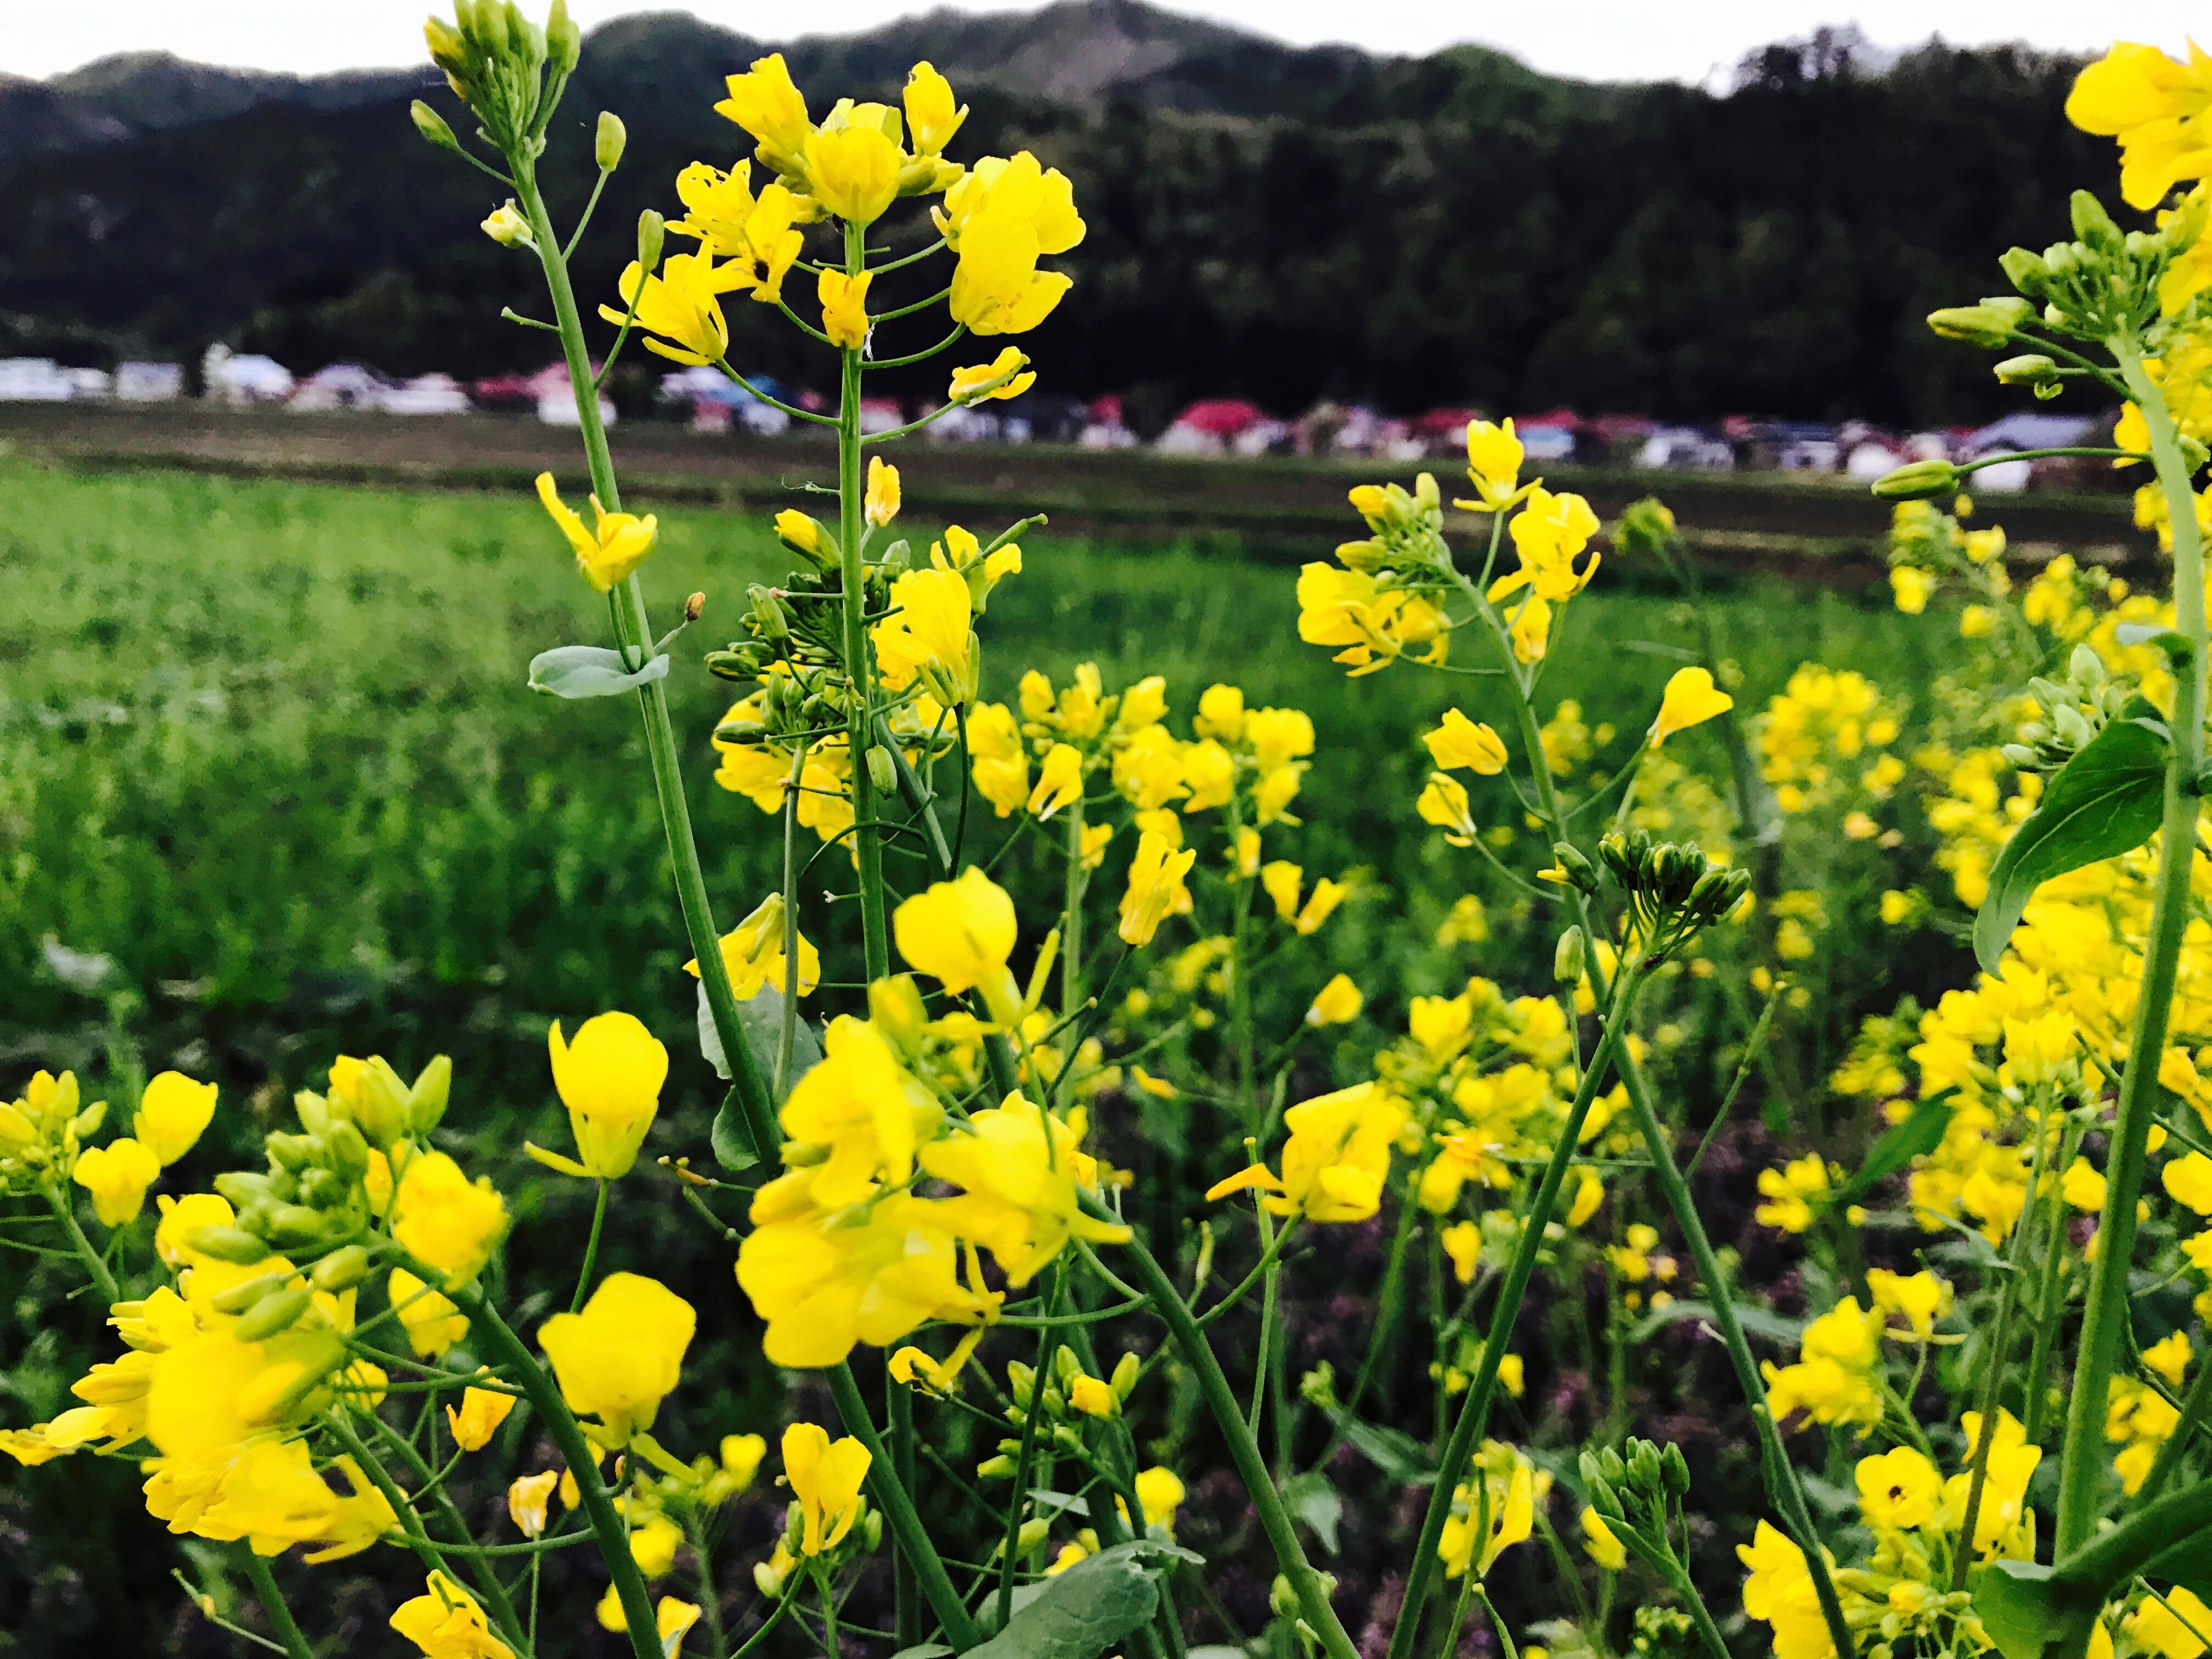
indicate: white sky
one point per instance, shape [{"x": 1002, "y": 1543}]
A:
[{"x": 1598, "y": 39}]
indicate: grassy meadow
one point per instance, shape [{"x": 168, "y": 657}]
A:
[{"x": 272, "y": 788}]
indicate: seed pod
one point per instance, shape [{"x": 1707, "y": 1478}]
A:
[{"x": 273, "y": 1313}]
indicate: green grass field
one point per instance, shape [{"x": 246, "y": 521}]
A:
[{"x": 267, "y": 747}]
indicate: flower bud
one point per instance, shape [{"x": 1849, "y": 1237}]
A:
[
  {"x": 2093, "y": 224},
  {"x": 2032, "y": 368},
  {"x": 652, "y": 232},
  {"x": 508, "y": 227},
  {"x": 431, "y": 125},
  {"x": 345, "y": 1151},
  {"x": 881, "y": 772},
  {"x": 341, "y": 1269},
  {"x": 1576, "y": 867},
  {"x": 991, "y": 1467},
  {"x": 767, "y": 1581},
  {"x": 244, "y": 1299},
  {"x": 769, "y": 619},
  {"x": 2025, "y": 269},
  {"x": 427, "y": 1095},
  {"x": 1989, "y": 324},
  {"x": 274, "y": 1313},
  {"x": 292, "y": 1224},
  {"x": 737, "y": 662},
  {"x": 232, "y": 1244},
  {"x": 1917, "y": 480},
  {"x": 1033, "y": 1533},
  {"x": 1125, "y": 1376},
  {"x": 607, "y": 143},
  {"x": 1674, "y": 1470},
  {"x": 564, "y": 41},
  {"x": 694, "y": 607},
  {"x": 1567, "y": 957},
  {"x": 2073, "y": 730},
  {"x": 2085, "y": 666}
]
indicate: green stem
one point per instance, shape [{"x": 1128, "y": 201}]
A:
[
  {"x": 1025, "y": 1458},
  {"x": 590, "y": 1251},
  {"x": 633, "y": 629},
  {"x": 1251, "y": 1467},
  {"x": 1978, "y": 1465},
  {"x": 2194, "y": 1404},
  {"x": 787, "y": 1031},
  {"x": 2082, "y": 1459},
  {"x": 897, "y": 1503},
  {"x": 906, "y": 1598},
  {"x": 1474, "y": 1410},
  {"x": 607, "y": 1527},
  {"x": 1390, "y": 1298},
  {"x": 1781, "y": 1473},
  {"x": 867, "y": 836},
  {"x": 433, "y": 1488},
  {"x": 1071, "y": 925},
  {"x": 1265, "y": 1368},
  {"x": 710, "y": 1598},
  {"x": 102, "y": 1279},
  {"x": 272, "y": 1604}
]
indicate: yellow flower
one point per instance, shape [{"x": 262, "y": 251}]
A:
[
  {"x": 1159, "y": 1494},
  {"x": 609, "y": 1080},
  {"x": 506, "y": 226},
  {"x": 1600, "y": 1544},
  {"x": 619, "y": 545},
  {"x": 483, "y": 1410},
  {"x": 1022, "y": 1184},
  {"x": 1910, "y": 588},
  {"x": 1335, "y": 1160},
  {"x": 1444, "y": 803},
  {"x": 1790, "y": 1191},
  {"x": 960, "y": 933},
  {"x": 1899, "y": 1491},
  {"x": 1691, "y": 699},
  {"x": 928, "y": 630},
  {"x": 620, "y": 1357},
  {"x": 825, "y": 1279},
  {"x": 1210, "y": 772},
  {"x": 1059, "y": 781},
  {"x": 860, "y": 1105},
  {"x": 2156, "y": 107},
  {"x": 432, "y": 1323},
  {"x": 1549, "y": 532},
  {"x": 1156, "y": 887},
  {"x": 1093, "y": 1396},
  {"x": 1008, "y": 368},
  {"x": 881, "y": 504},
  {"x": 117, "y": 1176},
  {"x": 844, "y": 308},
  {"x": 1375, "y": 625},
  {"x": 1463, "y": 742},
  {"x": 172, "y": 1114},
  {"x": 1000, "y": 218},
  {"x": 443, "y": 1219},
  {"x": 1493, "y": 465},
  {"x": 1778, "y": 1591},
  {"x": 672, "y": 1618},
  {"x": 765, "y": 103},
  {"x": 2174, "y": 1627},
  {"x": 1337, "y": 1003},
  {"x": 1489, "y": 1515},
  {"x": 1922, "y": 1298},
  {"x": 682, "y": 304},
  {"x": 1001, "y": 764},
  {"x": 2189, "y": 1181},
  {"x": 931, "y": 118},
  {"x": 527, "y": 1499},
  {"x": 1462, "y": 1248},
  {"x": 2169, "y": 1357},
  {"x": 825, "y": 1478},
  {"x": 2083, "y": 1186},
  {"x": 853, "y": 171},
  {"x": 447, "y": 1623},
  {"x": 1834, "y": 1380},
  {"x": 752, "y": 955},
  {"x": 2002, "y": 1517},
  {"x": 1531, "y": 630}
]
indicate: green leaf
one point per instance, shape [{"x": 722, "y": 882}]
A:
[
  {"x": 926, "y": 1651},
  {"x": 761, "y": 1018},
  {"x": 2105, "y": 801},
  {"x": 1400, "y": 1457},
  {"x": 1085, "y": 1610},
  {"x": 1311, "y": 1499},
  {"x": 2026, "y": 1613},
  {"x": 2188, "y": 1563},
  {"x": 590, "y": 670},
  {"x": 732, "y": 1151},
  {"x": 1921, "y": 1132},
  {"x": 1757, "y": 1321}
]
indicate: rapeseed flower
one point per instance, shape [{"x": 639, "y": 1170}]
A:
[
  {"x": 931, "y": 115},
  {"x": 1000, "y": 763},
  {"x": 1460, "y": 742},
  {"x": 620, "y": 1357},
  {"x": 682, "y": 305},
  {"x": 117, "y": 1176},
  {"x": 844, "y": 308},
  {"x": 1337, "y": 1003},
  {"x": 1059, "y": 781},
  {"x": 752, "y": 955},
  {"x": 861, "y": 1106},
  {"x": 527, "y": 1500},
  {"x": 483, "y": 1410},
  {"x": 443, "y": 1219},
  {"x": 1000, "y": 219},
  {"x": 431, "y": 1321},
  {"x": 1374, "y": 625},
  {"x": 609, "y": 1080},
  {"x": 765, "y": 103},
  {"x": 1549, "y": 533},
  {"x": 2156, "y": 108},
  {"x": 1834, "y": 1380},
  {"x": 961, "y": 933},
  {"x": 853, "y": 169},
  {"x": 172, "y": 1114},
  {"x": 446, "y": 1623},
  {"x": 825, "y": 1478},
  {"x": 1335, "y": 1160},
  {"x": 1691, "y": 699},
  {"x": 1156, "y": 889},
  {"x": 607, "y": 554},
  {"x": 881, "y": 504},
  {"x": 1493, "y": 465},
  {"x": 1004, "y": 376},
  {"x": 1489, "y": 1514},
  {"x": 1023, "y": 1180},
  {"x": 928, "y": 633}
]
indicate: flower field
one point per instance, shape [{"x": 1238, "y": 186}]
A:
[{"x": 963, "y": 1092}]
